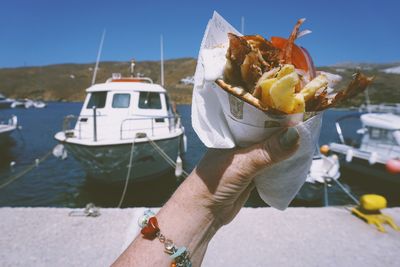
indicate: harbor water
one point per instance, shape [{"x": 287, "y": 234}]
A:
[{"x": 62, "y": 183}]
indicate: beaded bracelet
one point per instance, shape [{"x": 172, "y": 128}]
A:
[{"x": 150, "y": 230}]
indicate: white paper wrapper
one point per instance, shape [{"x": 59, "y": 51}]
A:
[{"x": 223, "y": 121}]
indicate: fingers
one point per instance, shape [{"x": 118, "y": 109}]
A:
[{"x": 278, "y": 147}]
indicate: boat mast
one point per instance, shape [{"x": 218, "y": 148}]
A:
[
  {"x": 96, "y": 67},
  {"x": 162, "y": 59}
]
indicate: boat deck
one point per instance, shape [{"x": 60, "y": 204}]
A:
[{"x": 257, "y": 237}]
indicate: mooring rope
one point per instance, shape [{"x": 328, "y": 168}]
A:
[
  {"x": 127, "y": 175},
  {"x": 28, "y": 169},
  {"x": 170, "y": 161}
]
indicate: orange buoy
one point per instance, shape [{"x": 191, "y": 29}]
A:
[
  {"x": 393, "y": 166},
  {"x": 324, "y": 149}
]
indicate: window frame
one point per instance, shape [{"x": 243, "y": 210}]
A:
[
  {"x": 129, "y": 101},
  {"x": 147, "y": 108},
  {"x": 90, "y": 98}
]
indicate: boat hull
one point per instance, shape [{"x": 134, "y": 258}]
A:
[
  {"x": 5, "y": 134},
  {"x": 109, "y": 164},
  {"x": 376, "y": 171}
]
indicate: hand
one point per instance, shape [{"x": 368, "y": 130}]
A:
[
  {"x": 228, "y": 175},
  {"x": 210, "y": 197}
]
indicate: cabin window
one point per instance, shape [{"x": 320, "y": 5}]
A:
[
  {"x": 149, "y": 100},
  {"x": 375, "y": 133},
  {"x": 97, "y": 99},
  {"x": 121, "y": 100}
]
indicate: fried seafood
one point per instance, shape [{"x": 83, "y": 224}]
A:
[{"x": 279, "y": 76}]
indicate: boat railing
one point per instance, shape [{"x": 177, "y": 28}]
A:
[
  {"x": 174, "y": 122},
  {"x": 72, "y": 125}
]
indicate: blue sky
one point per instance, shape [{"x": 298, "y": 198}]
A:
[{"x": 43, "y": 32}]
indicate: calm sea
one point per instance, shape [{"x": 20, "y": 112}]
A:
[{"x": 62, "y": 183}]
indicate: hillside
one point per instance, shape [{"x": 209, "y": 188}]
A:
[{"x": 67, "y": 82}]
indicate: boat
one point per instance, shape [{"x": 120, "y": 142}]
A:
[
  {"x": 38, "y": 104},
  {"x": 6, "y": 128},
  {"x": 375, "y": 153},
  {"x": 5, "y": 102},
  {"x": 324, "y": 169},
  {"x": 125, "y": 123},
  {"x": 22, "y": 103},
  {"x": 393, "y": 108}
]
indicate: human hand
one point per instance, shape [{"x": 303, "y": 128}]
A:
[
  {"x": 210, "y": 197},
  {"x": 227, "y": 175}
]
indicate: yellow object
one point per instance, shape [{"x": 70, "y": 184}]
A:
[
  {"x": 369, "y": 211},
  {"x": 324, "y": 149},
  {"x": 285, "y": 70},
  {"x": 372, "y": 202},
  {"x": 299, "y": 105},
  {"x": 309, "y": 90},
  {"x": 282, "y": 92},
  {"x": 265, "y": 94}
]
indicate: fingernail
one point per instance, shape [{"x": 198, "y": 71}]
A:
[{"x": 289, "y": 138}]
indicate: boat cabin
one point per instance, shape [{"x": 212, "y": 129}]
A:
[
  {"x": 381, "y": 132},
  {"x": 122, "y": 107}
]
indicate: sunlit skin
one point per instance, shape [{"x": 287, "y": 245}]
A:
[{"x": 210, "y": 197}]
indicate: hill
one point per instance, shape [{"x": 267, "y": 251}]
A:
[{"x": 67, "y": 82}]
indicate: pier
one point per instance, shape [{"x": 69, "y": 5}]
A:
[{"x": 257, "y": 237}]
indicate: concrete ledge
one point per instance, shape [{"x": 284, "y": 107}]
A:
[{"x": 257, "y": 237}]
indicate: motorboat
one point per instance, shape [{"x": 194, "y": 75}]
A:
[
  {"x": 324, "y": 170},
  {"x": 38, "y": 104},
  {"x": 127, "y": 129},
  {"x": 5, "y": 102},
  {"x": 375, "y": 151},
  {"x": 6, "y": 128},
  {"x": 22, "y": 103}
]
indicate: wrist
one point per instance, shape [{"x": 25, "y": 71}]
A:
[{"x": 186, "y": 221}]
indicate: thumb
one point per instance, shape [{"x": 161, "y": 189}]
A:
[{"x": 278, "y": 147}]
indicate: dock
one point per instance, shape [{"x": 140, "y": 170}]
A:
[{"x": 257, "y": 237}]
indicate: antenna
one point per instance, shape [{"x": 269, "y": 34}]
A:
[
  {"x": 242, "y": 25},
  {"x": 96, "y": 67},
  {"x": 162, "y": 59}
]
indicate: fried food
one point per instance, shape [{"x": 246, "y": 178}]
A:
[{"x": 279, "y": 76}]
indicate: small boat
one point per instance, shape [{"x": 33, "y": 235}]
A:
[
  {"x": 324, "y": 169},
  {"x": 6, "y": 128},
  {"x": 377, "y": 155},
  {"x": 22, "y": 103},
  {"x": 125, "y": 123},
  {"x": 5, "y": 102},
  {"x": 38, "y": 104}
]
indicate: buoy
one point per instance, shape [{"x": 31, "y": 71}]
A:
[
  {"x": 393, "y": 166},
  {"x": 324, "y": 149},
  {"x": 178, "y": 168}
]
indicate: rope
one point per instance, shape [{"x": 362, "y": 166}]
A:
[
  {"x": 166, "y": 157},
  {"x": 347, "y": 192},
  {"x": 128, "y": 174},
  {"x": 326, "y": 201},
  {"x": 28, "y": 169}
]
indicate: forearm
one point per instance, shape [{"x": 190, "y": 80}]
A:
[{"x": 184, "y": 220}]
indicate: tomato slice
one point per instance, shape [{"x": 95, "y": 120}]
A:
[{"x": 299, "y": 60}]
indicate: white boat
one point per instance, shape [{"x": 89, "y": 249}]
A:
[
  {"x": 324, "y": 169},
  {"x": 125, "y": 122},
  {"x": 5, "y": 102},
  {"x": 38, "y": 104},
  {"x": 378, "y": 153},
  {"x": 6, "y": 128}
]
